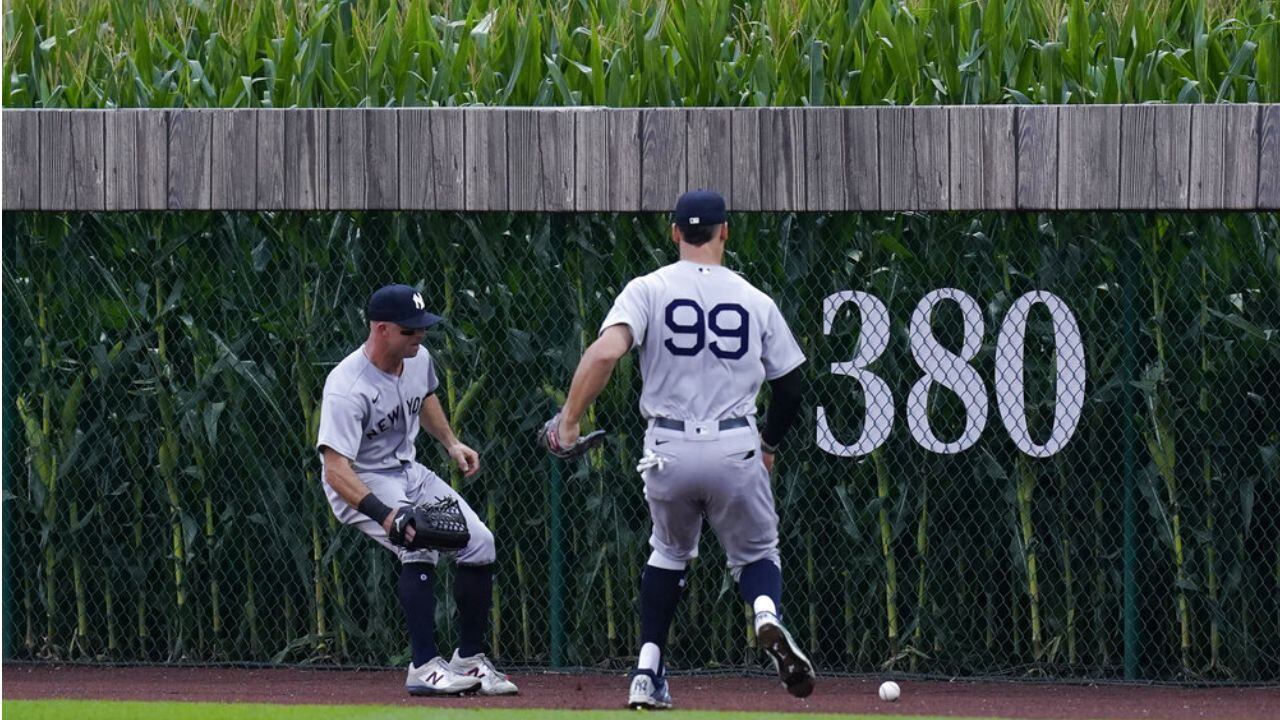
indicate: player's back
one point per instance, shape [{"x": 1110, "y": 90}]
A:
[{"x": 707, "y": 340}]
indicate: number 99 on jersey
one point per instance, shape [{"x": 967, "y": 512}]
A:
[{"x": 943, "y": 367}]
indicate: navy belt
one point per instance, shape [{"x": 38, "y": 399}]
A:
[{"x": 669, "y": 424}]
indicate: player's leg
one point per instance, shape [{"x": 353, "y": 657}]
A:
[
  {"x": 740, "y": 509},
  {"x": 677, "y": 526},
  {"x": 428, "y": 673},
  {"x": 472, "y": 589}
]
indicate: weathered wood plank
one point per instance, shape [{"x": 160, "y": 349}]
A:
[
  {"x": 448, "y": 158},
  {"x": 137, "y": 155},
  {"x": 1224, "y": 157},
  {"x": 541, "y": 157},
  {"x": 153, "y": 160},
  {"x": 348, "y": 160},
  {"x": 745, "y": 128},
  {"x": 862, "y": 156},
  {"x": 825, "y": 160},
  {"x": 73, "y": 149},
  {"x": 190, "y": 159},
  {"x": 417, "y": 172},
  {"x": 486, "y": 157},
  {"x": 306, "y": 159},
  {"x": 914, "y": 158},
  {"x": 782, "y": 167},
  {"x": 432, "y": 159},
  {"x": 1155, "y": 159},
  {"x": 898, "y": 187},
  {"x": 933, "y": 157},
  {"x": 524, "y": 161},
  {"x": 122, "y": 159},
  {"x": 382, "y": 162},
  {"x": 1037, "y": 160},
  {"x": 663, "y": 158},
  {"x": 235, "y": 160},
  {"x": 21, "y": 158},
  {"x": 984, "y": 172},
  {"x": 56, "y": 160},
  {"x": 1269, "y": 157},
  {"x": 270, "y": 161},
  {"x": 591, "y": 161},
  {"x": 709, "y": 151},
  {"x": 1089, "y": 157},
  {"x": 88, "y": 136},
  {"x": 625, "y": 144}
]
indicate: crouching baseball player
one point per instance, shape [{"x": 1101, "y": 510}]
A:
[
  {"x": 707, "y": 340},
  {"x": 374, "y": 402}
]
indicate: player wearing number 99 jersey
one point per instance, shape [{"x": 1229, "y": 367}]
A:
[{"x": 707, "y": 340}]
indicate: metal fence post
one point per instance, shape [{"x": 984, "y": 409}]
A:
[
  {"x": 1129, "y": 411},
  {"x": 556, "y": 574}
]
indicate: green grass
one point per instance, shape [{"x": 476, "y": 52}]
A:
[{"x": 98, "y": 710}]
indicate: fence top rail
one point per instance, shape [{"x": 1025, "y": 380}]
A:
[{"x": 589, "y": 159}]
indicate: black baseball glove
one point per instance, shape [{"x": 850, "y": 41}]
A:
[
  {"x": 436, "y": 526},
  {"x": 549, "y": 438}
]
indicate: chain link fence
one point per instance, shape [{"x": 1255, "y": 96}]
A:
[{"x": 1032, "y": 444}]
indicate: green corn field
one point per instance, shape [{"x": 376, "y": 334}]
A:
[
  {"x": 636, "y": 53},
  {"x": 162, "y": 498},
  {"x": 162, "y": 371}
]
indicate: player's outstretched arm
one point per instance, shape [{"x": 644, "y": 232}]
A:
[
  {"x": 592, "y": 375},
  {"x": 344, "y": 481},
  {"x": 434, "y": 421}
]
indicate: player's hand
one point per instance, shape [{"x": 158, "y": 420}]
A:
[
  {"x": 408, "y": 531},
  {"x": 468, "y": 460},
  {"x": 568, "y": 432},
  {"x": 768, "y": 458}
]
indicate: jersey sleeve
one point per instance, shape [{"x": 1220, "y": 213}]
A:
[
  {"x": 630, "y": 308},
  {"x": 341, "y": 425},
  {"x": 781, "y": 353}
]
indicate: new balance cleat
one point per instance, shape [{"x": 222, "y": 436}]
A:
[
  {"x": 435, "y": 677},
  {"x": 478, "y": 666}
]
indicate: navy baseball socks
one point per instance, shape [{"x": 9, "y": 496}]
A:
[
  {"x": 418, "y": 599},
  {"x": 760, "y": 584},
  {"x": 660, "y": 592},
  {"x": 428, "y": 673},
  {"x": 473, "y": 594}
]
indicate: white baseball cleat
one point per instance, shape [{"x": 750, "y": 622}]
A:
[
  {"x": 648, "y": 691},
  {"x": 793, "y": 666},
  {"x": 435, "y": 677},
  {"x": 478, "y": 666}
]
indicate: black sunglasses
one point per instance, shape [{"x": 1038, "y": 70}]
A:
[{"x": 411, "y": 331}]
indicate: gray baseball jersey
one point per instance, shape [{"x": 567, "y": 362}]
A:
[
  {"x": 370, "y": 416},
  {"x": 707, "y": 339}
]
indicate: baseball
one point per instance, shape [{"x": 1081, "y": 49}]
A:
[{"x": 889, "y": 691}]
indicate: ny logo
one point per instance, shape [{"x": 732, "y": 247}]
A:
[{"x": 417, "y": 301}]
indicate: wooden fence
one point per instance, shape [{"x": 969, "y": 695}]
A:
[{"x": 1100, "y": 157}]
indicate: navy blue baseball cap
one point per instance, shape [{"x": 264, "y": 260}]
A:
[
  {"x": 699, "y": 207},
  {"x": 401, "y": 305}
]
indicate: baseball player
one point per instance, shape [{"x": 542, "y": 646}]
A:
[
  {"x": 374, "y": 402},
  {"x": 707, "y": 340}
]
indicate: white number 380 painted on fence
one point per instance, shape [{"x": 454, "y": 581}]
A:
[{"x": 953, "y": 371}]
